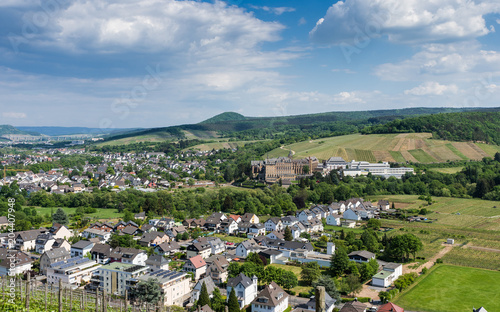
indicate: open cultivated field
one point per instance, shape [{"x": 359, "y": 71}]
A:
[
  {"x": 453, "y": 289},
  {"x": 415, "y": 147},
  {"x": 450, "y": 170}
]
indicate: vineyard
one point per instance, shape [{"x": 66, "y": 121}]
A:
[{"x": 32, "y": 296}]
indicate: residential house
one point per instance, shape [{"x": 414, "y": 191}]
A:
[
  {"x": 4, "y": 223},
  {"x": 81, "y": 248},
  {"x": 72, "y": 271},
  {"x": 270, "y": 255},
  {"x": 276, "y": 235},
  {"x": 274, "y": 224},
  {"x": 305, "y": 215},
  {"x": 256, "y": 229},
  {"x": 353, "y": 306},
  {"x": 130, "y": 229},
  {"x": 383, "y": 204},
  {"x": 157, "y": 262},
  {"x": 229, "y": 226},
  {"x": 153, "y": 239},
  {"x": 60, "y": 231},
  {"x": 174, "y": 286},
  {"x": 196, "y": 265},
  {"x": 202, "y": 249},
  {"x": 218, "y": 215},
  {"x": 168, "y": 248},
  {"x": 61, "y": 243},
  {"x": 218, "y": 269},
  {"x": 289, "y": 221},
  {"x": 140, "y": 216},
  {"x": 243, "y": 227},
  {"x": 361, "y": 256},
  {"x": 209, "y": 283},
  {"x": 44, "y": 242},
  {"x": 271, "y": 299},
  {"x": 101, "y": 253},
  {"x": 103, "y": 236},
  {"x": 246, "y": 247},
  {"x": 250, "y": 217},
  {"x": 391, "y": 307},
  {"x": 14, "y": 262},
  {"x": 26, "y": 240},
  {"x": 147, "y": 228},
  {"x": 53, "y": 256},
  {"x": 236, "y": 218},
  {"x": 351, "y": 214},
  {"x": 128, "y": 255},
  {"x": 389, "y": 273},
  {"x": 333, "y": 219},
  {"x": 107, "y": 227},
  {"x": 244, "y": 287},
  {"x": 213, "y": 224}
]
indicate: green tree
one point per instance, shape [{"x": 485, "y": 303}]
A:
[
  {"x": 339, "y": 262},
  {"x": 255, "y": 258},
  {"x": 353, "y": 284},
  {"x": 288, "y": 234},
  {"x": 310, "y": 272},
  {"x": 234, "y": 269},
  {"x": 329, "y": 285},
  {"x": 374, "y": 224},
  {"x": 147, "y": 291},
  {"x": 288, "y": 280},
  {"x": 370, "y": 241},
  {"x": 204, "y": 297},
  {"x": 232, "y": 304},
  {"x": 110, "y": 170},
  {"x": 217, "y": 301},
  {"x": 60, "y": 217}
]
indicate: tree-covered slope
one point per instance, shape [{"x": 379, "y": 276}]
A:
[
  {"x": 465, "y": 126},
  {"x": 8, "y": 129},
  {"x": 227, "y": 116}
]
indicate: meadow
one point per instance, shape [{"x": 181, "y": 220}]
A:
[
  {"x": 448, "y": 288},
  {"x": 101, "y": 213},
  {"x": 415, "y": 147}
]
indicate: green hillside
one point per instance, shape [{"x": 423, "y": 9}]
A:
[
  {"x": 300, "y": 127},
  {"x": 414, "y": 147},
  {"x": 8, "y": 129},
  {"x": 481, "y": 126},
  {"x": 228, "y": 116}
]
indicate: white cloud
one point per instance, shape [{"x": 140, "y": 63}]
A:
[
  {"x": 149, "y": 26},
  {"x": 455, "y": 62},
  {"x": 498, "y": 21},
  {"x": 413, "y": 21},
  {"x": 343, "y": 70},
  {"x": 432, "y": 88},
  {"x": 274, "y": 10},
  {"x": 302, "y": 21},
  {"x": 13, "y": 115}
]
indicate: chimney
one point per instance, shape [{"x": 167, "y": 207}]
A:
[{"x": 320, "y": 299}]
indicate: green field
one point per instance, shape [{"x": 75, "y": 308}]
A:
[
  {"x": 416, "y": 147},
  {"x": 100, "y": 214},
  {"x": 453, "y": 289},
  {"x": 450, "y": 170}
]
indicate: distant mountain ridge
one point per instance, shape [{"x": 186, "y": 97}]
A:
[
  {"x": 8, "y": 129},
  {"x": 235, "y": 125},
  {"x": 57, "y": 131}
]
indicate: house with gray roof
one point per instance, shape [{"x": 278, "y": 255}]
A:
[
  {"x": 81, "y": 248},
  {"x": 52, "y": 256},
  {"x": 244, "y": 287}
]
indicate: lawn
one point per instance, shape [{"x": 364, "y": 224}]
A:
[
  {"x": 231, "y": 239},
  {"x": 100, "y": 214},
  {"x": 453, "y": 289},
  {"x": 296, "y": 270}
]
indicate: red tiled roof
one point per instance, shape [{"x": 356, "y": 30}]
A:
[
  {"x": 197, "y": 261},
  {"x": 390, "y": 307}
]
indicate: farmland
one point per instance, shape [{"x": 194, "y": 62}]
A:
[
  {"x": 442, "y": 290},
  {"x": 415, "y": 147}
]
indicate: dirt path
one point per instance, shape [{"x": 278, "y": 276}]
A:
[
  {"x": 428, "y": 264},
  {"x": 481, "y": 248},
  {"x": 293, "y": 152}
]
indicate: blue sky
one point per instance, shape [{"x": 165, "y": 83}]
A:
[{"x": 153, "y": 63}]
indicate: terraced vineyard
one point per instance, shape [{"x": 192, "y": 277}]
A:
[{"x": 415, "y": 147}]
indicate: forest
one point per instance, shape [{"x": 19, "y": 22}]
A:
[{"x": 466, "y": 126}]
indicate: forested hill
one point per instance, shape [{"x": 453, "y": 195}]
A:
[
  {"x": 8, "y": 129},
  {"x": 466, "y": 126},
  {"x": 233, "y": 125}
]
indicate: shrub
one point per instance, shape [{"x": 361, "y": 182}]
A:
[
  {"x": 424, "y": 270},
  {"x": 438, "y": 261},
  {"x": 304, "y": 295}
]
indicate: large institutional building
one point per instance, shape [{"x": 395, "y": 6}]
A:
[{"x": 272, "y": 170}]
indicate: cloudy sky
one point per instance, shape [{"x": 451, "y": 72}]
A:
[{"x": 151, "y": 63}]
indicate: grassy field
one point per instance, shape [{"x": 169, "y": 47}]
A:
[
  {"x": 100, "y": 214},
  {"x": 296, "y": 270},
  {"x": 453, "y": 289},
  {"x": 416, "y": 147},
  {"x": 231, "y": 239},
  {"x": 450, "y": 170}
]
